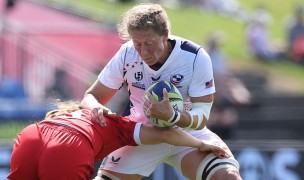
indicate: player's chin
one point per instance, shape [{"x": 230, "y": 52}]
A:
[{"x": 150, "y": 62}]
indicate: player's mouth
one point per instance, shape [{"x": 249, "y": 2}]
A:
[{"x": 149, "y": 61}]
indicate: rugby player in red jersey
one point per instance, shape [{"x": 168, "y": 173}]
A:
[{"x": 67, "y": 143}]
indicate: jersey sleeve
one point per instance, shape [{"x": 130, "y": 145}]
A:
[
  {"x": 112, "y": 74},
  {"x": 128, "y": 130},
  {"x": 202, "y": 81},
  {"x": 137, "y": 132}
]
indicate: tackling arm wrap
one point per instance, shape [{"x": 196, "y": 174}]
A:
[{"x": 198, "y": 112}]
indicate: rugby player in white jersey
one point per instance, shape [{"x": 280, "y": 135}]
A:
[{"x": 151, "y": 54}]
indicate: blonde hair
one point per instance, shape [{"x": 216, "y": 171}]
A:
[
  {"x": 62, "y": 108},
  {"x": 143, "y": 17}
]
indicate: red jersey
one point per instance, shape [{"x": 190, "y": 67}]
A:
[{"x": 118, "y": 132}]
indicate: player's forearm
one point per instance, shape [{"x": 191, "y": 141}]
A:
[
  {"x": 185, "y": 120},
  {"x": 90, "y": 102},
  {"x": 178, "y": 137},
  {"x": 197, "y": 117},
  {"x": 174, "y": 136}
]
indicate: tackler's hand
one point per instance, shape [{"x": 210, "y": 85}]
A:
[
  {"x": 98, "y": 113},
  {"x": 216, "y": 149}
]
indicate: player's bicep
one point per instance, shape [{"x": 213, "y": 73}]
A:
[
  {"x": 205, "y": 99},
  {"x": 203, "y": 81}
]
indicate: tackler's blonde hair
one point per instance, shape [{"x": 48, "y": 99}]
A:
[{"x": 63, "y": 107}]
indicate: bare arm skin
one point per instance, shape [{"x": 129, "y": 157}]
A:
[
  {"x": 95, "y": 98},
  {"x": 177, "y": 137},
  {"x": 97, "y": 95}
]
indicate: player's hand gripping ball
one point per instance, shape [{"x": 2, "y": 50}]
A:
[{"x": 175, "y": 98}]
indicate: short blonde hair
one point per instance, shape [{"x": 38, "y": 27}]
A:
[
  {"x": 62, "y": 108},
  {"x": 143, "y": 17}
]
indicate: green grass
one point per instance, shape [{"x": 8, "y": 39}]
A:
[{"x": 10, "y": 129}]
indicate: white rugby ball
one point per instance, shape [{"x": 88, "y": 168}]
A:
[{"x": 175, "y": 98}]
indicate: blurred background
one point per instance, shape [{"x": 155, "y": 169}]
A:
[{"x": 54, "y": 49}]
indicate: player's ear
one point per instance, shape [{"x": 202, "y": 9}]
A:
[{"x": 166, "y": 34}]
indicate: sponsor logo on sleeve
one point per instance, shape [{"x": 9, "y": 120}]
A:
[{"x": 209, "y": 84}]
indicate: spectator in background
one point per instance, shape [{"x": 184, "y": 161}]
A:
[
  {"x": 231, "y": 91},
  {"x": 262, "y": 13},
  {"x": 295, "y": 33},
  {"x": 258, "y": 38}
]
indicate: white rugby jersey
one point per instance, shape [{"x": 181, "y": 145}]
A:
[{"x": 188, "y": 67}]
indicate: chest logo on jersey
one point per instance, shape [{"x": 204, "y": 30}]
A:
[
  {"x": 138, "y": 76},
  {"x": 176, "y": 79}
]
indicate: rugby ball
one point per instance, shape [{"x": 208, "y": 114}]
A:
[{"x": 175, "y": 98}]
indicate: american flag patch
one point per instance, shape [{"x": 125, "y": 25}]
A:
[{"x": 209, "y": 84}]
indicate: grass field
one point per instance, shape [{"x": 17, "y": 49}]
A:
[{"x": 9, "y": 129}]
